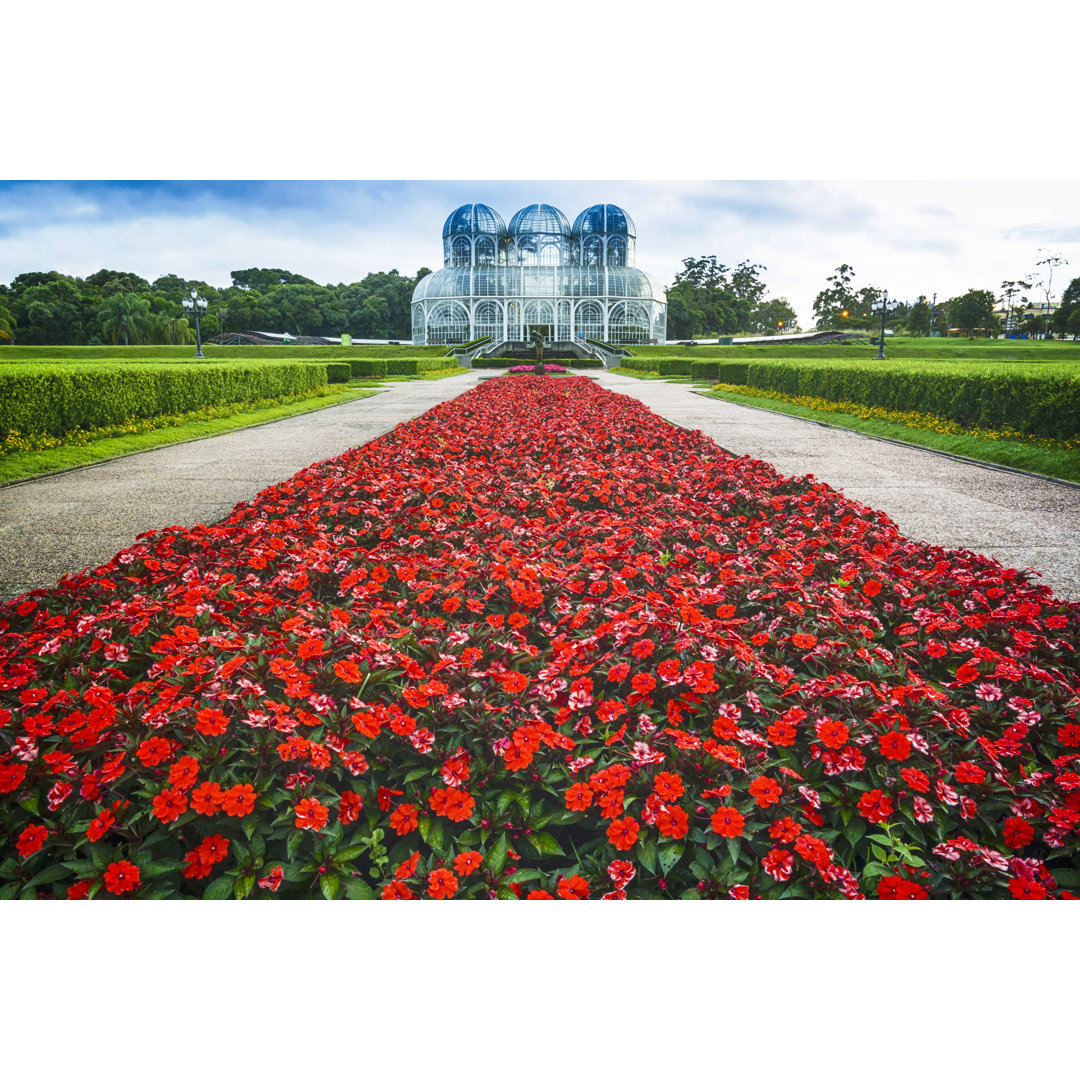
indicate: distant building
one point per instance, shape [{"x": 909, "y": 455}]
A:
[{"x": 540, "y": 272}]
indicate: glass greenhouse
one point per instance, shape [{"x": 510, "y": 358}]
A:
[{"x": 570, "y": 281}]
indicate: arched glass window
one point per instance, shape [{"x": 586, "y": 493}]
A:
[
  {"x": 592, "y": 251},
  {"x": 448, "y": 323},
  {"x": 488, "y": 320},
  {"x": 616, "y": 251},
  {"x": 418, "y": 324},
  {"x": 589, "y": 319},
  {"x": 562, "y": 329},
  {"x": 513, "y": 321},
  {"x": 629, "y": 324},
  {"x": 540, "y": 313},
  {"x": 486, "y": 254},
  {"x": 461, "y": 251}
]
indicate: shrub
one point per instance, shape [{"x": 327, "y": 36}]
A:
[{"x": 54, "y": 399}]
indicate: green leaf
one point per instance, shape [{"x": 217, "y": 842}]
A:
[
  {"x": 49, "y": 875},
  {"x": 855, "y": 830},
  {"x": 329, "y": 883},
  {"x": 545, "y": 843},
  {"x": 416, "y": 774},
  {"x": 292, "y": 845},
  {"x": 496, "y": 855},
  {"x": 250, "y": 825},
  {"x": 346, "y": 855},
  {"x": 670, "y": 854},
  {"x": 734, "y": 848},
  {"x": 219, "y": 889},
  {"x": 647, "y": 855},
  {"x": 878, "y": 853},
  {"x": 505, "y": 799},
  {"x": 358, "y": 889},
  {"x": 243, "y": 886}
]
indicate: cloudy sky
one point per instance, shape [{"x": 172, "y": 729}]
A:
[{"x": 908, "y": 236}]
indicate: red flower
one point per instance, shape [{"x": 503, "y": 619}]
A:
[
  {"x": 785, "y": 830},
  {"x": 778, "y": 864},
  {"x": 397, "y": 890},
  {"x": 154, "y": 751},
  {"x": 79, "y": 891},
  {"x": 1023, "y": 889},
  {"x": 11, "y": 776},
  {"x": 238, "y": 800},
  {"x": 871, "y": 588},
  {"x": 121, "y": 877},
  {"x": 894, "y": 745},
  {"x": 169, "y": 805},
  {"x": 100, "y": 826},
  {"x": 967, "y": 773},
  {"x": 623, "y": 833},
  {"x": 765, "y": 791},
  {"x": 408, "y": 868},
  {"x": 349, "y": 807},
  {"x": 404, "y": 819},
  {"x": 30, "y": 840},
  {"x": 1017, "y": 833},
  {"x": 833, "y": 733},
  {"x": 898, "y": 888},
  {"x": 207, "y": 798},
  {"x": 211, "y": 722},
  {"x": 273, "y": 880},
  {"x": 466, "y": 862},
  {"x": 803, "y": 641},
  {"x": 543, "y": 894},
  {"x": 578, "y": 797},
  {"x": 572, "y": 888},
  {"x": 311, "y": 814},
  {"x": 451, "y": 803},
  {"x": 727, "y": 821},
  {"x": 672, "y": 821},
  {"x": 916, "y": 779},
  {"x": 441, "y": 884},
  {"x": 513, "y": 682},
  {"x": 184, "y": 773},
  {"x": 668, "y": 786},
  {"x": 875, "y": 806}
]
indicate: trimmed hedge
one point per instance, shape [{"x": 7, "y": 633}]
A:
[
  {"x": 1034, "y": 404},
  {"x": 338, "y": 372},
  {"x": 727, "y": 371},
  {"x": 380, "y": 368},
  {"x": 52, "y": 400}
]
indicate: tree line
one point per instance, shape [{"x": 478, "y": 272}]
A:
[
  {"x": 113, "y": 307},
  {"x": 842, "y": 305}
]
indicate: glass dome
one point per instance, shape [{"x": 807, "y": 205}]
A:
[
  {"x": 474, "y": 218},
  {"x": 604, "y": 218},
  {"x": 539, "y": 218},
  {"x": 539, "y": 236}
]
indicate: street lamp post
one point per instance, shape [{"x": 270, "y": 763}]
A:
[
  {"x": 196, "y": 306},
  {"x": 887, "y": 305}
]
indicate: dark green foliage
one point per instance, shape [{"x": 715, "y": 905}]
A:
[
  {"x": 338, "y": 372},
  {"x": 53, "y": 400},
  {"x": 725, "y": 371},
  {"x": 1035, "y": 404}
]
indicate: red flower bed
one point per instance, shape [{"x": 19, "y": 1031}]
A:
[
  {"x": 540, "y": 643},
  {"x": 530, "y": 369}
]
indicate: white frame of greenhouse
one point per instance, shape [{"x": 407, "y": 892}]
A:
[{"x": 500, "y": 282}]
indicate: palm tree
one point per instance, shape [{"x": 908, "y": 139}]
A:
[{"x": 125, "y": 318}]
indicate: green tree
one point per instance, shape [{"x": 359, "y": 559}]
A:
[
  {"x": 709, "y": 298},
  {"x": 1070, "y": 302},
  {"x": 125, "y": 318},
  {"x": 972, "y": 312},
  {"x": 1012, "y": 297},
  {"x": 773, "y": 317},
  {"x": 837, "y": 304},
  {"x": 918, "y": 318},
  {"x": 1045, "y": 268},
  {"x": 7, "y": 325},
  {"x": 108, "y": 282},
  {"x": 54, "y": 311},
  {"x": 263, "y": 280}
]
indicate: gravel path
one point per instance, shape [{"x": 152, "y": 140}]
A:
[{"x": 64, "y": 523}]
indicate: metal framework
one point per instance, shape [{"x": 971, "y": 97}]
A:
[{"x": 504, "y": 281}]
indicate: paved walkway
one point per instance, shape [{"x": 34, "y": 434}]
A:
[{"x": 65, "y": 523}]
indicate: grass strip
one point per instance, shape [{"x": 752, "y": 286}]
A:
[
  {"x": 30, "y": 464},
  {"x": 1063, "y": 464}
]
